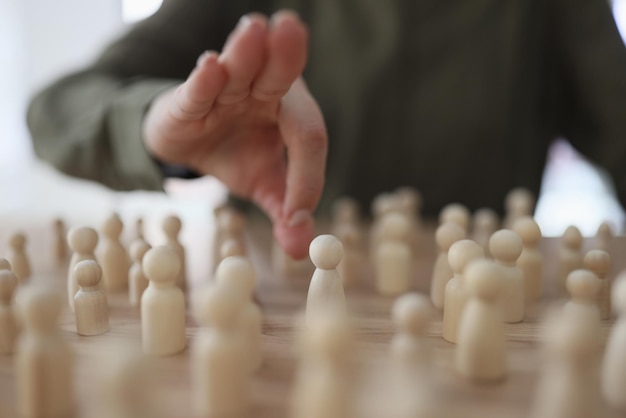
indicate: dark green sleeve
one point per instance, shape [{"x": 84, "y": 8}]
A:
[
  {"x": 591, "y": 68},
  {"x": 88, "y": 124}
]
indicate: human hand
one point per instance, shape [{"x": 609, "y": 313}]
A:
[{"x": 237, "y": 113}]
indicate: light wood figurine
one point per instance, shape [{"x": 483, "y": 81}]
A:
[
  {"x": 43, "y": 361},
  {"x": 162, "y": 304},
  {"x": 599, "y": 261},
  {"x": 461, "y": 254},
  {"x": 137, "y": 280},
  {"x": 82, "y": 241},
  {"x": 90, "y": 304},
  {"x": 446, "y": 235},
  {"x": 220, "y": 370},
  {"x": 481, "y": 346},
  {"x": 8, "y": 323}
]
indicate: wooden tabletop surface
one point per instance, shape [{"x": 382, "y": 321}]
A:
[{"x": 281, "y": 298}]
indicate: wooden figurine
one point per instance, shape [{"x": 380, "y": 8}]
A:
[
  {"x": 570, "y": 253},
  {"x": 232, "y": 247},
  {"x": 139, "y": 229},
  {"x": 60, "y": 242},
  {"x": 230, "y": 225},
  {"x": 238, "y": 273},
  {"x": 457, "y": 213},
  {"x": 393, "y": 261},
  {"x": 506, "y": 247},
  {"x": 446, "y": 235},
  {"x": 599, "y": 262},
  {"x": 323, "y": 386},
  {"x": 127, "y": 386},
  {"x": 584, "y": 288},
  {"x": 351, "y": 266},
  {"x": 112, "y": 256},
  {"x": 409, "y": 392},
  {"x": 4, "y": 264},
  {"x": 604, "y": 237},
  {"x": 19, "y": 258},
  {"x": 481, "y": 345},
  {"x": 326, "y": 287},
  {"x": 137, "y": 280},
  {"x": 220, "y": 370},
  {"x": 82, "y": 241},
  {"x": 410, "y": 204},
  {"x": 531, "y": 260},
  {"x": 485, "y": 223},
  {"x": 411, "y": 351},
  {"x": 162, "y": 304},
  {"x": 569, "y": 385},
  {"x": 614, "y": 366},
  {"x": 345, "y": 212},
  {"x": 382, "y": 205},
  {"x": 8, "y": 322},
  {"x": 43, "y": 360},
  {"x": 460, "y": 255},
  {"x": 518, "y": 203},
  {"x": 90, "y": 304},
  {"x": 172, "y": 227}
]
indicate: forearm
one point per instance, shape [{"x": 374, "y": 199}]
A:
[{"x": 88, "y": 125}]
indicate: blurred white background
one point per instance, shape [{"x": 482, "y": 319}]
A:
[{"x": 42, "y": 39}]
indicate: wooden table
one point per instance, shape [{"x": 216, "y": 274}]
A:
[{"x": 281, "y": 298}]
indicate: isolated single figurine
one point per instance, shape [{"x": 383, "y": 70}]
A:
[{"x": 326, "y": 287}]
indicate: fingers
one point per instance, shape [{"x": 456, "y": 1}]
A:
[
  {"x": 243, "y": 57},
  {"x": 286, "y": 57},
  {"x": 195, "y": 97},
  {"x": 302, "y": 127}
]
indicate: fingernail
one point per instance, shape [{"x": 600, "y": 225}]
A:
[
  {"x": 299, "y": 217},
  {"x": 281, "y": 15},
  {"x": 202, "y": 58},
  {"x": 243, "y": 23}
]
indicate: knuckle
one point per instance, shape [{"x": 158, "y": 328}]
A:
[
  {"x": 314, "y": 139},
  {"x": 268, "y": 95}
]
